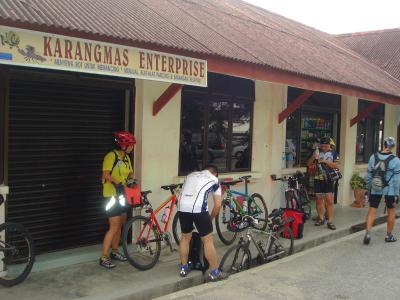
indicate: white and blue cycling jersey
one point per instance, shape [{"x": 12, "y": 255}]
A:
[{"x": 196, "y": 190}]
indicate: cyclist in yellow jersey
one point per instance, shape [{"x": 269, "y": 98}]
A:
[{"x": 117, "y": 169}]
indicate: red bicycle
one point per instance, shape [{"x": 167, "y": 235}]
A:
[{"x": 142, "y": 235}]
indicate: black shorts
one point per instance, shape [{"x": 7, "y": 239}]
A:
[
  {"x": 374, "y": 201},
  {"x": 201, "y": 220},
  {"x": 116, "y": 210},
  {"x": 323, "y": 187}
]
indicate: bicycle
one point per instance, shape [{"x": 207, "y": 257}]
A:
[
  {"x": 296, "y": 195},
  {"x": 277, "y": 244},
  {"x": 17, "y": 252},
  {"x": 234, "y": 208},
  {"x": 142, "y": 235}
]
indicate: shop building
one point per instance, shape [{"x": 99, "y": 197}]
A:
[{"x": 223, "y": 82}]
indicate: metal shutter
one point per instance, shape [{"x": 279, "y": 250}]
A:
[{"x": 59, "y": 133}]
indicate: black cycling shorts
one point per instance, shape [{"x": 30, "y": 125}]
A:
[
  {"x": 323, "y": 187},
  {"x": 201, "y": 220},
  {"x": 116, "y": 210},
  {"x": 374, "y": 201}
]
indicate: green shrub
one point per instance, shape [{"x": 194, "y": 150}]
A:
[{"x": 357, "y": 181}]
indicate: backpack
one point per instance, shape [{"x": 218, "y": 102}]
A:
[
  {"x": 197, "y": 259},
  {"x": 379, "y": 181}
]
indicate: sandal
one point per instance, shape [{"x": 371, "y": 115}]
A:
[
  {"x": 331, "y": 226},
  {"x": 319, "y": 222}
]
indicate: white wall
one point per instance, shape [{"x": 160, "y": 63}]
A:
[{"x": 157, "y": 150}]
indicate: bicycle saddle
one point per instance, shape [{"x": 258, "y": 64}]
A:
[
  {"x": 245, "y": 177},
  {"x": 171, "y": 187},
  {"x": 229, "y": 183},
  {"x": 145, "y": 193}
]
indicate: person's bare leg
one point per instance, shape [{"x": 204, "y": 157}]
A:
[
  {"x": 109, "y": 236},
  {"x": 320, "y": 206},
  {"x": 370, "y": 218},
  {"x": 209, "y": 251},
  {"x": 391, "y": 219},
  {"x": 184, "y": 247},
  {"x": 330, "y": 208},
  {"x": 117, "y": 236}
]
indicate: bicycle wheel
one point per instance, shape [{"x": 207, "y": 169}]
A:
[
  {"x": 16, "y": 252},
  {"x": 222, "y": 221},
  {"x": 236, "y": 259},
  {"x": 258, "y": 210},
  {"x": 176, "y": 228},
  {"x": 281, "y": 244},
  {"x": 141, "y": 244}
]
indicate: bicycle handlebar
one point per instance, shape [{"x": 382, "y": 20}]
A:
[{"x": 233, "y": 182}]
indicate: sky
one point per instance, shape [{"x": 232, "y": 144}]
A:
[{"x": 338, "y": 16}]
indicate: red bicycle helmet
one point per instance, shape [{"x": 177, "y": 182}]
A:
[{"x": 124, "y": 138}]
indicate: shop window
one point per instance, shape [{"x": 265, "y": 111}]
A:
[
  {"x": 318, "y": 117},
  {"x": 216, "y": 125},
  {"x": 369, "y": 132}
]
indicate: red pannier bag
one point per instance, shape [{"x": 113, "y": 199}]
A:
[
  {"x": 296, "y": 221},
  {"x": 133, "y": 195}
]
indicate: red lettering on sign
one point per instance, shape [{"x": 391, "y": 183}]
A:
[
  {"x": 202, "y": 69},
  {"x": 107, "y": 55},
  {"x": 68, "y": 49},
  {"x": 97, "y": 53},
  {"x": 78, "y": 51},
  {"x": 57, "y": 50},
  {"x": 46, "y": 46},
  {"x": 126, "y": 58},
  {"x": 117, "y": 59},
  {"x": 88, "y": 52}
]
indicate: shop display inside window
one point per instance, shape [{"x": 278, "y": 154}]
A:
[{"x": 313, "y": 127}]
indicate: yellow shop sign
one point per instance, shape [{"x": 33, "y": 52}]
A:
[{"x": 43, "y": 50}]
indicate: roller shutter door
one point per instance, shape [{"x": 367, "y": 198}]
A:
[{"x": 58, "y": 135}]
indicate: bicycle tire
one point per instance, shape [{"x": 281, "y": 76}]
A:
[
  {"x": 277, "y": 242},
  {"x": 227, "y": 237},
  {"x": 264, "y": 206},
  {"x": 6, "y": 280},
  {"x": 175, "y": 233},
  {"x": 136, "y": 224},
  {"x": 236, "y": 259}
]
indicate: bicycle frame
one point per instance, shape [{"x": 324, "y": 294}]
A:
[
  {"x": 153, "y": 219},
  {"x": 237, "y": 204}
]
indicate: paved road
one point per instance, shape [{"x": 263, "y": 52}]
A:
[{"x": 342, "y": 269}]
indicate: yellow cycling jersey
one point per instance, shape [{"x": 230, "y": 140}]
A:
[{"x": 121, "y": 171}]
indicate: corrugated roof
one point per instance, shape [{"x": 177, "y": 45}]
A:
[
  {"x": 380, "y": 47},
  {"x": 231, "y": 29}
]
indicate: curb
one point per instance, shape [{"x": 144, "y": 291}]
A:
[{"x": 196, "y": 279}]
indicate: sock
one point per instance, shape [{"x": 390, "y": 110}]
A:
[
  {"x": 184, "y": 266},
  {"x": 389, "y": 234},
  {"x": 215, "y": 272},
  {"x": 104, "y": 257},
  {"x": 367, "y": 232},
  {"x": 114, "y": 250}
]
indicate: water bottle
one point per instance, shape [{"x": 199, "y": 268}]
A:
[
  {"x": 165, "y": 215},
  {"x": 244, "y": 206}
]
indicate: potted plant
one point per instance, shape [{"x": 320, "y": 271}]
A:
[{"x": 357, "y": 183}]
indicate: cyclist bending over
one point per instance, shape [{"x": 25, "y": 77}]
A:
[{"x": 193, "y": 208}]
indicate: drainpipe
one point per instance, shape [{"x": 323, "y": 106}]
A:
[{"x": 3, "y": 193}]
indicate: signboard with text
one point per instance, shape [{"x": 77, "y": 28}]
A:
[{"x": 43, "y": 50}]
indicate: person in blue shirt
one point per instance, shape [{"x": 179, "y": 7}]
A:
[{"x": 387, "y": 184}]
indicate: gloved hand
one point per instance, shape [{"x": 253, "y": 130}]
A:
[
  {"x": 131, "y": 182},
  {"x": 120, "y": 189}
]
